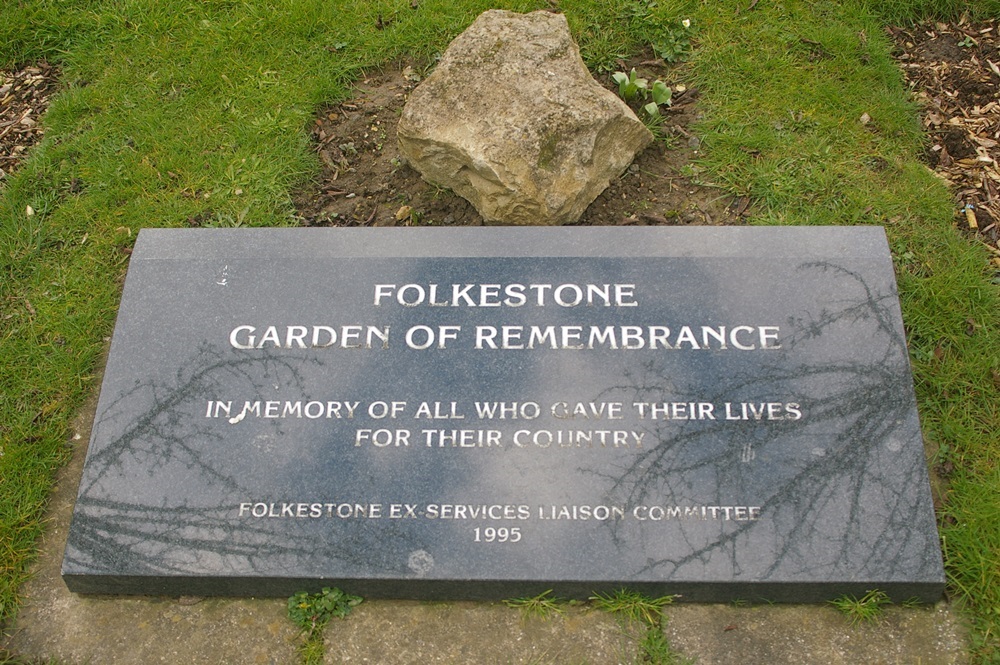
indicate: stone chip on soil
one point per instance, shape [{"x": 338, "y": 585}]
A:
[{"x": 512, "y": 121}]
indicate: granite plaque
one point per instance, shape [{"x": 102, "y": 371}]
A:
[{"x": 719, "y": 413}]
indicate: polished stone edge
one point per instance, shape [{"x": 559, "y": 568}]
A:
[
  {"x": 926, "y": 592},
  {"x": 803, "y": 242}
]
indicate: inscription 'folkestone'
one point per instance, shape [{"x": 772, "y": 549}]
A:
[{"x": 487, "y": 413}]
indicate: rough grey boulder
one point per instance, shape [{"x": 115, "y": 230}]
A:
[{"x": 512, "y": 121}]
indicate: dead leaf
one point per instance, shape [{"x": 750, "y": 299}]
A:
[
  {"x": 411, "y": 74},
  {"x": 944, "y": 159}
]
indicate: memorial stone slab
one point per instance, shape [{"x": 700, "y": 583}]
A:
[{"x": 720, "y": 413}]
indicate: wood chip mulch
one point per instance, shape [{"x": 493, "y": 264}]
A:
[
  {"x": 24, "y": 96},
  {"x": 954, "y": 71}
]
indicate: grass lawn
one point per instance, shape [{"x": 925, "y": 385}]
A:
[{"x": 178, "y": 109}]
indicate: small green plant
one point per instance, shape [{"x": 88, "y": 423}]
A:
[
  {"x": 312, "y": 611},
  {"x": 867, "y": 609},
  {"x": 661, "y": 95},
  {"x": 655, "y": 648},
  {"x": 631, "y": 85},
  {"x": 633, "y": 606},
  {"x": 672, "y": 41},
  {"x": 542, "y": 606},
  {"x": 669, "y": 39}
]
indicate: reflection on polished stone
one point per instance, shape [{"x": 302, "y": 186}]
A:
[{"x": 721, "y": 413}]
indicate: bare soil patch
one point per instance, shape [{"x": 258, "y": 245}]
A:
[
  {"x": 366, "y": 183},
  {"x": 24, "y": 97},
  {"x": 954, "y": 71}
]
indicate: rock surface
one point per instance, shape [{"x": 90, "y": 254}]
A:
[{"x": 512, "y": 121}]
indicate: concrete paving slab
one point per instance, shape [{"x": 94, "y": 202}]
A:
[
  {"x": 411, "y": 633},
  {"x": 726, "y": 635}
]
